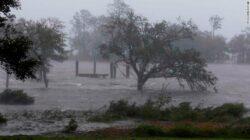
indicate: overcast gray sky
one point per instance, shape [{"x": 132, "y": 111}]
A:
[{"x": 233, "y": 11}]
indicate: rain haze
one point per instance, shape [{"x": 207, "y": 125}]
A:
[
  {"x": 94, "y": 67},
  {"x": 234, "y": 12}
]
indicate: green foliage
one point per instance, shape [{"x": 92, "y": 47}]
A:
[
  {"x": 225, "y": 113},
  {"x": 48, "y": 42},
  {"x": 184, "y": 112},
  {"x": 149, "y": 131},
  {"x": 189, "y": 130},
  {"x": 157, "y": 110},
  {"x": 14, "y": 56},
  {"x": 228, "y": 112},
  {"x": 117, "y": 111},
  {"x": 97, "y": 138},
  {"x": 15, "y": 97},
  {"x": 71, "y": 127},
  {"x": 14, "y": 46},
  {"x": 184, "y": 130},
  {"x": 48, "y": 38},
  {"x": 122, "y": 109},
  {"x": 5, "y": 9},
  {"x": 2, "y": 119}
]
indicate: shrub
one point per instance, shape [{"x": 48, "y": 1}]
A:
[
  {"x": 152, "y": 110},
  {"x": 184, "y": 112},
  {"x": 184, "y": 130},
  {"x": 117, "y": 111},
  {"x": 71, "y": 127},
  {"x": 228, "y": 112},
  {"x": 3, "y": 120},
  {"x": 243, "y": 121},
  {"x": 187, "y": 130},
  {"x": 156, "y": 110},
  {"x": 149, "y": 131},
  {"x": 122, "y": 109},
  {"x": 15, "y": 97}
]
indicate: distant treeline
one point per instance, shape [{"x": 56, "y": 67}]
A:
[{"x": 217, "y": 50}]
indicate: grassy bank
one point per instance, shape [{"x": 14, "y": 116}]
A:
[
  {"x": 89, "y": 138},
  {"x": 160, "y": 110},
  {"x": 163, "y": 120}
]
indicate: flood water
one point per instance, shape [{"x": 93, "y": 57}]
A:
[{"x": 67, "y": 92}]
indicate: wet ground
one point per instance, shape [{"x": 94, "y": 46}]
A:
[{"x": 67, "y": 92}]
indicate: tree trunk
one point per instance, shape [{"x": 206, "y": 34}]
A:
[
  {"x": 114, "y": 71},
  {"x": 111, "y": 70},
  {"x": 46, "y": 82},
  {"x": 140, "y": 83},
  {"x": 40, "y": 76},
  {"x": 127, "y": 71}
]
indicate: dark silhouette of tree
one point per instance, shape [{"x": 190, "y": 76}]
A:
[
  {"x": 48, "y": 42},
  {"x": 148, "y": 49},
  {"x": 5, "y": 9},
  {"x": 14, "y": 46}
]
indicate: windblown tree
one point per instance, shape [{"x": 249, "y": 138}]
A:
[
  {"x": 83, "y": 25},
  {"x": 215, "y": 22},
  {"x": 48, "y": 42},
  {"x": 15, "y": 48},
  {"x": 86, "y": 37},
  {"x": 148, "y": 49}
]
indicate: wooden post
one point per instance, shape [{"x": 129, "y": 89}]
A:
[
  {"x": 94, "y": 71},
  {"x": 127, "y": 71},
  {"x": 111, "y": 70},
  {"x": 7, "y": 80},
  {"x": 114, "y": 67},
  {"x": 77, "y": 68}
]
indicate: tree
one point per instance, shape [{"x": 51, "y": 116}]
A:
[
  {"x": 215, "y": 22},
  {"x": 147, "y": 48},
  {"x": 86, "y": 37},
  {"x": 240, "y": 44},
  {"x": 48, "y": 42},
  {"x": 118, "y": 9},
  {"x": 83, "y": 25},
  {"x": 14, "y": 46},
  {"x": 5, "y": 9},
  {"x": 211, "y": 49}
]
